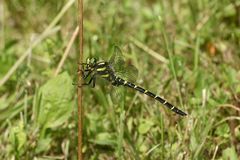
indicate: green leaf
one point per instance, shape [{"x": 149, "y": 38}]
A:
[
  {"x": 231, "y": 75},
  {"x": 55, "y": 101},
  {"x": 230, "y": 154},
  {"x": 43, "y": 145},
  {"x": 104, "y": 138},
  {"x": 223, "y": 130},
  {"x": 145, "y": 126}
]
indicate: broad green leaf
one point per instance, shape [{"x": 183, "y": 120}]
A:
[
  {"x": 104, "y": 138},
  {"x": 230, "y": 154},
  {"x": 223, "y": 130},
  {"x": 43, "y": 145},
  {"x": 55, "y": 101},
  {"x": 145, "y": 126}
]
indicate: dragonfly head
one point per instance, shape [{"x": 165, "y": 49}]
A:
[{"x": 91, "y": 62}]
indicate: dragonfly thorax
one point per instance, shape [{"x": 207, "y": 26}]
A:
[{"x": 104, "y": 70}]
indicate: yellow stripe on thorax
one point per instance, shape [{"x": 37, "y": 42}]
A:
[
  {"x": 105, "y": 75},
  {"x": 101, "y": 69},
  {"x": 101, "y": 63}
]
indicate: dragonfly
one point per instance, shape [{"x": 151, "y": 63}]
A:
[{"x": 113, "y": 71}]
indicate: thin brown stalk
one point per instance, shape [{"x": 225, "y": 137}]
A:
[
  {"x": 67, "y": 51},
  {"x": 226, "y": 119},
  {"x": 80, "y": 107},
  {"x": 148, "y": 50},
  {"x": 47, "y": 32},
  {"x": 229, "y": 106},
  {"x": 26, "y": 53}
]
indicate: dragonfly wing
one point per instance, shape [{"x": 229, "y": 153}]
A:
[
  {"x": 129, "y": 73},
  {"x": 121, "y": 68},
  {"x": 117, "y": 57},
  {"x": 117, "y": 93}
]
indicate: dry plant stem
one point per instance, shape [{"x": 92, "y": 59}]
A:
[
  {"x": 215, "y": 152},
  {"x": 66, "y": 52},
  {"x": 148, "y": 50},
  {"x": 60, "y": 14},
  {"x": 229, "y": 106},
  {"x": 226, "y": 119},
  {"x": 80, "y": 107},
  {"x": 48, "y": 31},
  {"x": 26, "y": 53}
]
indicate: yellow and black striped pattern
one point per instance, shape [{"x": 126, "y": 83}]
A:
[
  {"x": 150, "y": 94},
  {"x": 102, "y": 70}
]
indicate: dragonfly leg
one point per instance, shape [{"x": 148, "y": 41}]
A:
[
  {"x": 90, "y": 81},
  {"x": 85, "y": 84},
  {"x": 83, "y": 70},
  {"x": 85, "y": 76},
  {"x": 85, "y": 73},
  {"x": 79, "y": 85},
  {"x": 82, "y": 63},
  {"x": 83, "y": 67},
  {"x": 94, "y": 81}
]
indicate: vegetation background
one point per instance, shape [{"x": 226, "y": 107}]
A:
[{"x": 186, "y": 50}]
